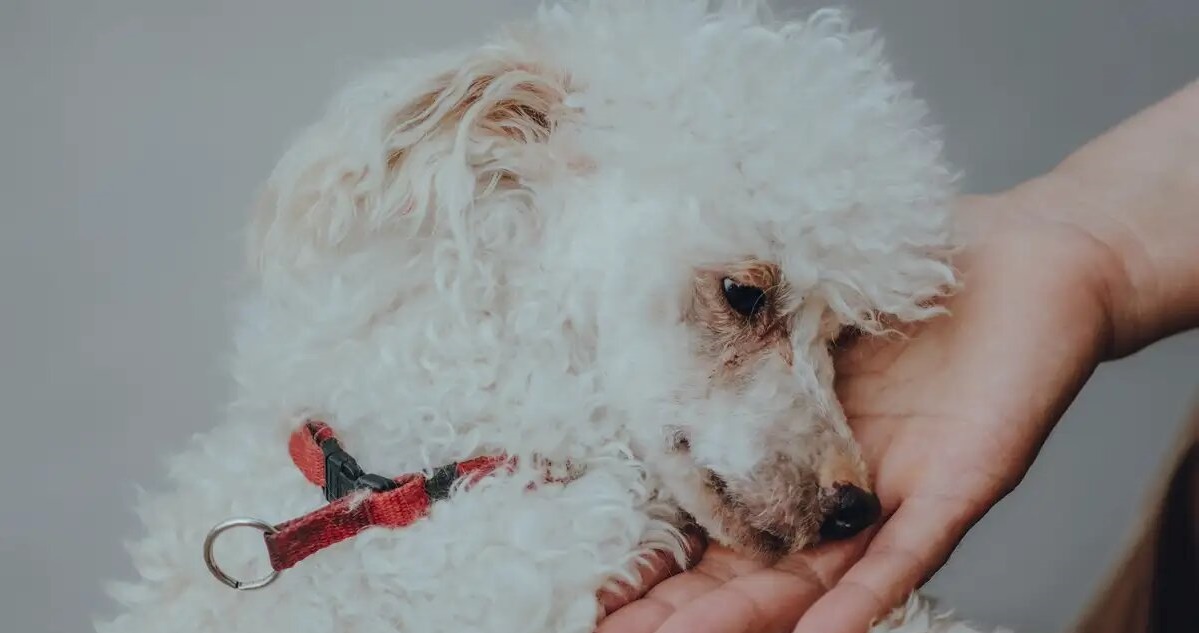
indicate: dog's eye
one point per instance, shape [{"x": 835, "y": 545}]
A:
[{"x": 746, "y": 300}]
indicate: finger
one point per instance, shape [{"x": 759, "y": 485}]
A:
[
  {"x": 648, "y": 613},
  {"x": 765, "y": 599},
  {"x": 913, "y": 543},
  {"x": 643, "y": 616},
  {"x": 657, "y": 567},
  {"x": 719, "y": 566},
  {"x": 764, "y": 602},
  {"x": 715, "y": 567}
]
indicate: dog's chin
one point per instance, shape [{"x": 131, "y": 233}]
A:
[
  {"x": 735, "y": 527},
  {"x": 760, "y": 545}
]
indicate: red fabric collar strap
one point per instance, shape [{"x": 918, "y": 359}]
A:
[
  {"x": 388, "y": 502},
  {"x": 392, "y": 503}
]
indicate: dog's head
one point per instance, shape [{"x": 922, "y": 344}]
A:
[{"x": 697, "y": 204}]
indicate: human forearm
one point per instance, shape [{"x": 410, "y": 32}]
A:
[{"x": 1135, "y": 191}]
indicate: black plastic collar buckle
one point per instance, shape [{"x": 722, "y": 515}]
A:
[
  {"x": 343, "y": 475},
  {"x": 439, "y": 483}
]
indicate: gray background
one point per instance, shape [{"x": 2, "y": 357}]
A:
[{"x": 134, "y": 131}]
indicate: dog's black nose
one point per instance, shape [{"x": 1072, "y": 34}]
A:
[{"x": 853, "y": 510}]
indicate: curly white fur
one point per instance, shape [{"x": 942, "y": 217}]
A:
[{"x": 494, "y": 249}]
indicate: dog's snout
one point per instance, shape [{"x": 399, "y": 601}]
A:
[{"x": 853, "y": 510}]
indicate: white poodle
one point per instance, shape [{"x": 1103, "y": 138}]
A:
[{"x": 612, "y": 247}]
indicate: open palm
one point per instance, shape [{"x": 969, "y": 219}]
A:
[{"x": 949, "y": 418}]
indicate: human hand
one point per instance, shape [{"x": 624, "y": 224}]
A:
[
  {"x": 1090, "y": 262},
  {"x": 949, "y": 419}
]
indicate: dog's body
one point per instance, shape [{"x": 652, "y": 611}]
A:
[{"x": 539, "y": 248}]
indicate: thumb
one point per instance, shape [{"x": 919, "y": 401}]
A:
[{"x": 907, "y": 550}]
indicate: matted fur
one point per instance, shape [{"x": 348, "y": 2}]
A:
[{"x": 499, "y": 249}]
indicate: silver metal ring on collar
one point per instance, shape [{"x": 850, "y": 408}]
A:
[{"x": 217, "y": 530}]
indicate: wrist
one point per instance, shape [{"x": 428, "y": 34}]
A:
[
  {"x": 1131, "y": 197},
  {"x": 1028, "y": 232},
  {"x": 1135, "y": 250},
  {"x": 1096, "y": 259}
]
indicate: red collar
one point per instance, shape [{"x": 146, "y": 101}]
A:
[{"x": 388, "y": 502}]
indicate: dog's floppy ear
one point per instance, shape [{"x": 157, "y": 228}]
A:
[{"x": 397, "y": 155}]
